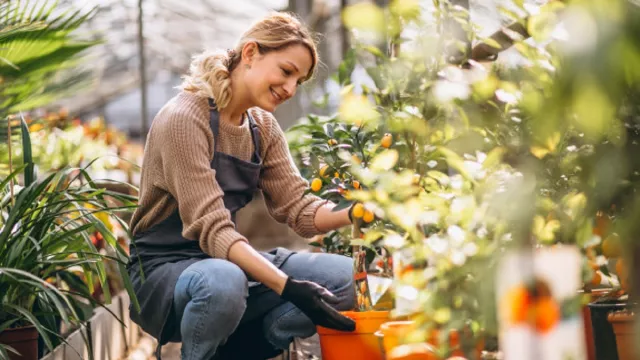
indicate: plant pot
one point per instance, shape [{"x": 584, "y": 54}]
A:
[
  {"x": 24, "y": 340},
  {"x": 394, "y": 332},
  {"x": 417, "y": 351},
  {"x": 361, "y": 344},
  {"x": 594, "y": 295},
  {"x": 604, "y": 338},
  {"x": 623, "y": 323},
  {"x": 394, "y": 335}
]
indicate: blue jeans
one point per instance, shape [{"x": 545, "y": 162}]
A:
[{"x": 212, "y": 297}]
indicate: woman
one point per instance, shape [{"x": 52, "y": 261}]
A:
[{"x": 197, "y": 279}]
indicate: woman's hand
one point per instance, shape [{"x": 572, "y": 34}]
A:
[{"x": 314, "y": 301}]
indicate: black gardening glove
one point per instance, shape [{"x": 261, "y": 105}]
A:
[{"x": 313, "y": 300}]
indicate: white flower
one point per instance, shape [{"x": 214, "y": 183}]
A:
[
  {"x": 394, "y": 241},
  {"x": 458, "y": 258},
  {"x": 437, "y": 244},
  {"x": 456, "y": 234}
]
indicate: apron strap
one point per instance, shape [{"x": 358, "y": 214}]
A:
[
  {"x": 158, "y": 352},
  {"x": 255, "y": 135}
]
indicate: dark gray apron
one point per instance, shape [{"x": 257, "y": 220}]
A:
[{"x": 160, "y": 254}]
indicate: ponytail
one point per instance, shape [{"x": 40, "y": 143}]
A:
[{"x": 210, "y": 75}]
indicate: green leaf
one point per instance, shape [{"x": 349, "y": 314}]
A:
[
  {"x": 386, "y": 160},
  {"x": 328, "y": 130},
  {"x": 374, "y": 50},
  {"x": 29, "y": 171},
  {"x": 343, "y": 204}
]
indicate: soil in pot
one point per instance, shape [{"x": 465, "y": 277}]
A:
[
  {"x": 604, "y": 338},
  {"x": 24, "y": 340},
  {"x": 623, "y": 323},
  {"x": 361, "y": 344}
]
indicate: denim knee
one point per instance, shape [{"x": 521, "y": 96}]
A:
[{"x": 219, "y": 286}]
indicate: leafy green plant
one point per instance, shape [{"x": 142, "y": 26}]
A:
[
  {"x": 483, "y": 158},
  {"x": 45, "y": 229}
]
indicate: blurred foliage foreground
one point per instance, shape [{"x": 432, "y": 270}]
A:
[{"x": 457, "y": 162}]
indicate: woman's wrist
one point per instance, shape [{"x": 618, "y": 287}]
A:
[
  {"x": 326, "y": 219},
  {"x": 259, "y": 268}
]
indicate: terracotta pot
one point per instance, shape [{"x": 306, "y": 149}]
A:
[
  {"x": 604, "y": 338},
  {"x": 623, "y": 323},
  {"x": 361, "y": 344},
  {"x": 24, "y": 340}
]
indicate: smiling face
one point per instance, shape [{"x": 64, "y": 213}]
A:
[{"x": 273, "y": 77}]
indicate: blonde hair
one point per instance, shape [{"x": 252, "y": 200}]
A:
[{"x": 210, "y": 72}]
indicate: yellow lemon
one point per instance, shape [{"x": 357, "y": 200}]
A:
[
  {"x": 316, "y": 185},
  {"x": 332, "y": 142}
]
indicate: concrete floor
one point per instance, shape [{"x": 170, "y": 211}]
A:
[{"x": 302, "y": 349}]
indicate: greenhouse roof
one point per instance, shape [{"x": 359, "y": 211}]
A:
[{"x": 173, "y": 31}]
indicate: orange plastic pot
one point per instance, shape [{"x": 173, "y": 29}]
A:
[
  {"x": 417, "y": 351},
  {"x": 394, "y": 332},
  {"x": 361, "y": 344}
]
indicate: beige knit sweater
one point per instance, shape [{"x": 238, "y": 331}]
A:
[{"x": 176, "y": 173}]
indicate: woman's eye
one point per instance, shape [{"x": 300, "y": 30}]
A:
[{"x": 286, "y": 72}]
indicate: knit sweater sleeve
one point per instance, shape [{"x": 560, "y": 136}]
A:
[
  {"x": 284, "y": 187},
  {"x": 187, "y": 152}
]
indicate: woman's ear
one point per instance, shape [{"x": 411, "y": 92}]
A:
[{"x": 249, "y": 53}]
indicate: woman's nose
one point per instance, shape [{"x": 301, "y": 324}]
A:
[{"x": 290, "y": 88}]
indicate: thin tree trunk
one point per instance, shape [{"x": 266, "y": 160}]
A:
[{"x": 143, "y": 75}]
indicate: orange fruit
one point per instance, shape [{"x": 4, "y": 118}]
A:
[
  {"x": 602, "y": 223},
  {"x": 336, "y": 175},
  {"x": 386, "y": 141},
  {"x": 332, "y": 142},
  {"x": 356, "y": 184},
  {"x": 546, "y": 314},
  {"x": 358, "y": 210},
  {"x": 316, "y": 185},
  {"x": 518, "y": 301},
  {"x": 368, "y": 216},
  {"x": 611, "y": 246}
]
